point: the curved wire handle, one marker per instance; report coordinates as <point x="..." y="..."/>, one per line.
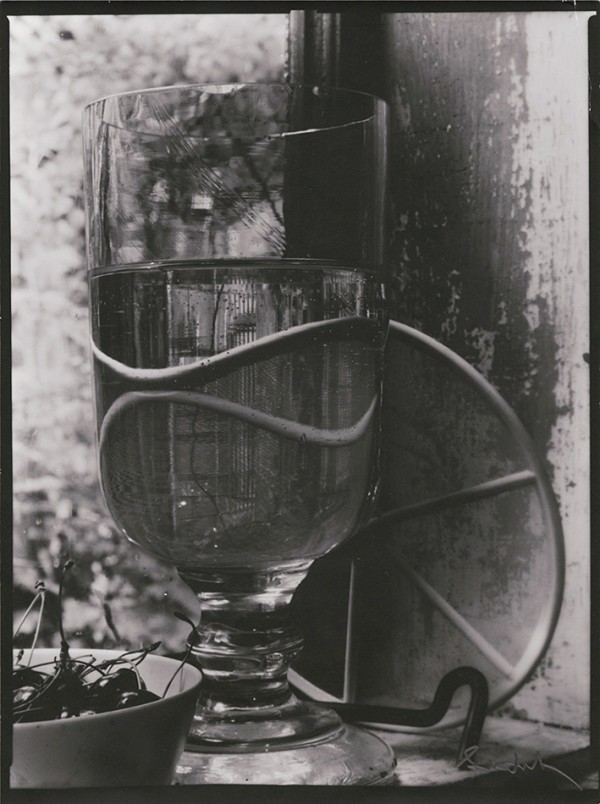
<point x="434" y="713"/>
<point x="532" y="474"/>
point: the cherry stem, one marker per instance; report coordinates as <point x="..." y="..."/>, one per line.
<point x="64" y="645"/>
<point x="187" y="620"/>
<point x="42" y="593"/>
<point x="136" y="660"/>
<point x="133" y="666"/>
<point x="143" y="651"/>
<point x="110" y="622"/>
<point x="24" y="617"/>
<point x="90" y="666"/>
<point x="179" y="669"/>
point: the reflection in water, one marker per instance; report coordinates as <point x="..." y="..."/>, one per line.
<point x="236" y="407"/>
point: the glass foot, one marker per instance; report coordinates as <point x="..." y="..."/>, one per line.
<point x="249" y="728"/>
<point x="219" y="727"/>
<point x="347" y="756"/>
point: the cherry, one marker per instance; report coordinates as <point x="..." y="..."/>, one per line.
<point x="63" y="690"/>
<point x="122" y="680"/>
<point x="106" y="691"/>
<point x="65" y="712"/>
<point x="46" y="710"/>
<point x="27" y="676"/>
<point x="67" y="684"/>
<point x="134" y="698"/>
<point x="23" y="693"/>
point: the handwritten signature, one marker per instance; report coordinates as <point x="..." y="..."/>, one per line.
<point x="513" y="767"/>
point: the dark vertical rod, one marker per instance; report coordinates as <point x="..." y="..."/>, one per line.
<point x="313" y="48"/>
<point x="351" y="657"/>
<point x="345" y="50"/>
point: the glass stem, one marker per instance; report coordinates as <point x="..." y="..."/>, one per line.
<point x="245" y="642"/>
<point x="245" y="654"/>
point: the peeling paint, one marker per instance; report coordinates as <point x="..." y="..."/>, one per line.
<point x="489" y="253"/>
<point x="482" y="341"/>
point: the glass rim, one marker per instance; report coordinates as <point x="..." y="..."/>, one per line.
<point x="227" y="87"/>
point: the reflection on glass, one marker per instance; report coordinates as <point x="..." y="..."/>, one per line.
<point x="235" y="245"/>
<point x="266" y="457"/>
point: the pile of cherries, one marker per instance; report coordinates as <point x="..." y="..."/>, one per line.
<point x="68" y="687"/>
<point x="66" y="691"/>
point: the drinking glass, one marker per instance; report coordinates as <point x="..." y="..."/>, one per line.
<point x="235" y="248"/>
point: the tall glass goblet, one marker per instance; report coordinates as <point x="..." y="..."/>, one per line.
<point x="235" y="245"/>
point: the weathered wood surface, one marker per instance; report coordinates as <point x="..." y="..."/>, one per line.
<point x="489" y="254"/>
<point x="489" y="251"/>
<point x="510" y="752"/>
<point x="508" y="748"/>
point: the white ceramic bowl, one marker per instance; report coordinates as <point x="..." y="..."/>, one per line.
<point x="131" y="747"/>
